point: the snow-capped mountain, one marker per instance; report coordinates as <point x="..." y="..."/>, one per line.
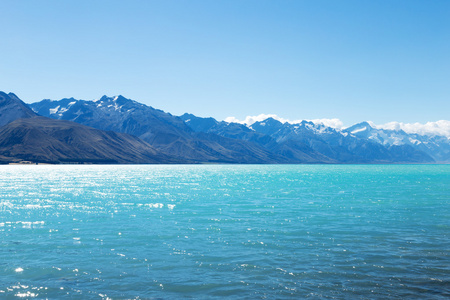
<point x="438" y="147"/>
<point x="116" y="114"/>
<point x="431" y="138"/>
<point x="319" y="142"/>
<point x="25" y="136"/>
<point x="263" y="140"/>
<point x="163" y="131"/>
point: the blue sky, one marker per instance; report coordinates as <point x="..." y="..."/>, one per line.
<point x="353" y="60"/>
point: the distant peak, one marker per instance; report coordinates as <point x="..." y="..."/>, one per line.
<point x="12" y="108"/>
<point x="360" y="127"/>
<point x="65" y="99"/>
<point x="186" y="116"/>
<point x="366" y="124"/>
<point x="271" y="120"/>
<point x="304" y="122"/>
<point x="114" y="98"/>
<point x="13" y="95"/>
<point x="10" y="96"/>
<point x="119" y="97"/>
<point x="104" y="98"/>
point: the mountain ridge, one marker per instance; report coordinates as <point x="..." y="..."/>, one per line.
<point x="163" y="131"/>
<point x="13" y="108"/>
<point x="192" y="139"/>
<point x="337" y="145"/>
<point x="26" y="136"/>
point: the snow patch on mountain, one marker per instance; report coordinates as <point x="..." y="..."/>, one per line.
<point x="54" y="110"/>
<point x="358" y="130"/>
<point x="60" y="110"/>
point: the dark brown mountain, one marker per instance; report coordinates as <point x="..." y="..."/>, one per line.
<point x="41" y="139"/>
<point x="25" y="136"/>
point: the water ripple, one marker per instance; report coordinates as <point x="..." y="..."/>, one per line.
<point x="224" y="231"/>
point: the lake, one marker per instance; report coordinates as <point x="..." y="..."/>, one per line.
<point x="225" y="231"/>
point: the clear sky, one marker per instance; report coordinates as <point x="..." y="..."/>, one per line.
<point x="353" y="60"/>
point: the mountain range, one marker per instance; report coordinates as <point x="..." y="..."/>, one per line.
<point x="120" y="130"/>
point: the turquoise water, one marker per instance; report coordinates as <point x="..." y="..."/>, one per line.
<point x="225" y="231"/>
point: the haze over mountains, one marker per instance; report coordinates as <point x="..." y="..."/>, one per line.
<point x="120" y="130"/>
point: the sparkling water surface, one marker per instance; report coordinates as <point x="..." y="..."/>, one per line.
<point x="225" y="231"/>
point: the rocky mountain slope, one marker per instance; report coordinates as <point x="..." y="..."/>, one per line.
<point x="28" y="137"/>
<point x="163" y="131"/>
<point x="437" y="147"/>
<point x="43" y="139"/>
<point x="198" y="140"/>
<point x="324" y="143"/>
<point x="12" y="108"/>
